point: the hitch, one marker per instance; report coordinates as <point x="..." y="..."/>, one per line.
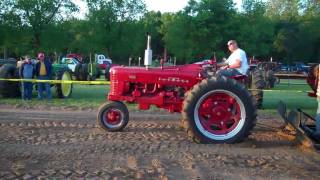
<point x="304" y="126"/>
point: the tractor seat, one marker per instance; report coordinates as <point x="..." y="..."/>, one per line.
<point x="240" y="77"/>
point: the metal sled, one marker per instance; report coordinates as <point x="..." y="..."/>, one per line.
<point x="303" y="124"/>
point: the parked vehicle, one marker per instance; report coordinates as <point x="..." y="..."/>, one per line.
<point x="295" y="67"/>
<point x="8" y="61"/>
<point x="101" y="59"/>
<point x="71" y="63"/>
<point x="78" y="57"/>
<point x="105" y="64"/>
<point x="300" y="67"/>
<point x="92" y="69"/>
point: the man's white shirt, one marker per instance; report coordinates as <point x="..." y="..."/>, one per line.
<point x="241" y="55"/>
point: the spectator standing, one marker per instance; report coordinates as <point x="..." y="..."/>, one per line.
<point x="43" y="72"/>
<point x="27" y="72"/>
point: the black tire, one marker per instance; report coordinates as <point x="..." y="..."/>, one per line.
<point x="277" y="80"/>
<point x="78" y="71"/>
<point x="242" y="102"/>
<point x="121" y="114"/>
<point x="107" y="74"/>
<point x="64" y="90"/>
<point x="84" y="72"/>
<point x="98" y="73"/>
<point x="271" y="78"/>
<point x="257" y="83"/>
<point x="9" y="89"/>
<point x="91" y="78"/>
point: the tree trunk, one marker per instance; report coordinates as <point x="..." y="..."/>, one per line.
<point x="5" y="53"/>
<point x="36" y="43"/>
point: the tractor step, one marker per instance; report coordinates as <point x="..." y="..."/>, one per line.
<point x="303" y="124"/>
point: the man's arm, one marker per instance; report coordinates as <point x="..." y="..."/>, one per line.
<point x="21" y="71"/>
<point x="222" y="64"/>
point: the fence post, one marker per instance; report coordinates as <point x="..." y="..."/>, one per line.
<point x="139" y="61"/>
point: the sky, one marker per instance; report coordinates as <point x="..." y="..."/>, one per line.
<point x="172" y="5"/>
<point x="155" y="5"/>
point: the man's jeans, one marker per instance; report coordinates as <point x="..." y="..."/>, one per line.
<point x="27" y="90"/>
<point x="228" y="72"/>
<point x="44" y="86"/>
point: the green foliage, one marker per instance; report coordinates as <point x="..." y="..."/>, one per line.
<point x="256" y="30"/>
<point x="33" y="17"/>
<point x="286" y="30"/>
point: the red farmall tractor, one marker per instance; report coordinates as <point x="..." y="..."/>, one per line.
<point x="214" y="109"/>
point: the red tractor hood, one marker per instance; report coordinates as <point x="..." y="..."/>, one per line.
<point x="186" y="75"/>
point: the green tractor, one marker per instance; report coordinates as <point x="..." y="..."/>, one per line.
<point x="87" y="72"/>
<point x="10" y="89"/>
<point x="82" y="71"/>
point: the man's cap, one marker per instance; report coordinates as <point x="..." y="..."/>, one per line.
<point x="40" y="55"/>
<point x="231" y="42"/>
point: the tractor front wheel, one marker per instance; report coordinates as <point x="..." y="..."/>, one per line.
<point x="107" y="74"/>
<point x="219" y="111"/>
<point x="84" y="72"/>
<point x="113" y="116"/>
<point x="78" y="71"/>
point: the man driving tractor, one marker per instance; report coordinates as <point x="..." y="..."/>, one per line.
<point x="236" y="64"/>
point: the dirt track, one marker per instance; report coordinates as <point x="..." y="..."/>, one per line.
<point x="60" y="144"/>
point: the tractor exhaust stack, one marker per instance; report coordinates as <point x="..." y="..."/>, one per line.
<point x="148" y="53"/>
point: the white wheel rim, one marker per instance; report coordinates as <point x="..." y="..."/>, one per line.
<point x="229" y="135"/>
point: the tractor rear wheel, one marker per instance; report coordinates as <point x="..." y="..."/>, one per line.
<point x="8" y="88"/>
<point x="219" y="111"/>
<point x="98" y="73"/>
<point x="257" y="83"/>
<point x="107" y="74"/>
<point x="84" y="72"/>
<point x="113" y="116"/>
<point x="64" y="90"/>
<point x="92" y="72"/>
<point x="271" y="78"/>
<point x="78" y="71"/>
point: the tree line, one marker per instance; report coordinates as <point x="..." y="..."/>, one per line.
<point x="286" y="30"/>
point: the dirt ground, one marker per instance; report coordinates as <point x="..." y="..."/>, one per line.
<point x="58" y="144"/>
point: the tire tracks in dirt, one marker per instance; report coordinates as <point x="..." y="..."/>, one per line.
<point x="64" y="144"/>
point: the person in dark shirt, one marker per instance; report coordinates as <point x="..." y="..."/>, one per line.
<point x="43" y="72"/>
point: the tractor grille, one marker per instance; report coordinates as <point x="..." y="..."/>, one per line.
<point x="114" y="88"/>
